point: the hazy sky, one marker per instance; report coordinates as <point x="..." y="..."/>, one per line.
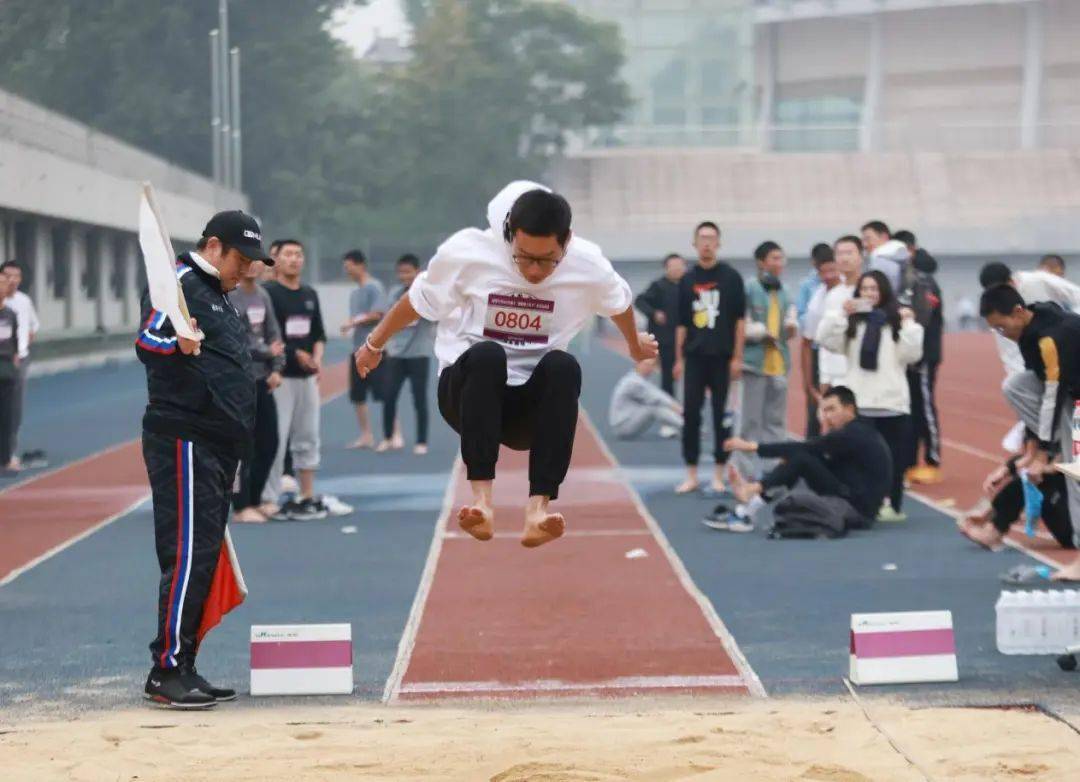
<point x="357" y="26"/>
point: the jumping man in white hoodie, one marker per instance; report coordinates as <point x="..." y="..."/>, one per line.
<point x="508" y="300"/>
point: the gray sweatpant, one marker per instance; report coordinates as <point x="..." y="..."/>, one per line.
<point x="763" y="418"/>
<point x="18" y="402"/>
<point x="1024" y="393"/>
<point x="298" y="406"/>
<point x="636" y="422"/>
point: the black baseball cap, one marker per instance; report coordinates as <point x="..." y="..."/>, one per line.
<point x="240" y="231"/>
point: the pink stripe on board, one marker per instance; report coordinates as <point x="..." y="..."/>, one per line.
<point x="903" y="643"/>
<point x="301" y="654"/>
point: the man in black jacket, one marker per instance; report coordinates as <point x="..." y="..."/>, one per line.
<point x="923" y="294"/>
<point x="850" y="461"/>
<point x="197" y="426"/>
<point x="660" y="304"/>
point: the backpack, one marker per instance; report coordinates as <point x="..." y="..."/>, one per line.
<point x="805" y="515"/>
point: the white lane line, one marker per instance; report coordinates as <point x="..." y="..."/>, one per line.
<point x="416" y="613"/>
<point x="979" y="453"/>
<point x="557" y="685"/>
<point x="750" y="678"/>
<point x="72" y="541"/>
<point x="577" y="533"/>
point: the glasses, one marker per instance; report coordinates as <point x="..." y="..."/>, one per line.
<point x="546" y="264"/>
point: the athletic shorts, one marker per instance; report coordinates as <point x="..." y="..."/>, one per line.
<point x="360" y="387"/>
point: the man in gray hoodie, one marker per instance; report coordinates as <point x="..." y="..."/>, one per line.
<point x="637" y="404"/>
<point x="885" y="254"/>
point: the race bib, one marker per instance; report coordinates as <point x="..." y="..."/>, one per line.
<point x="518" y="320"/>
<point x="297" y="326"/>
<point x="6" y="331"/>
<point x="256" y="315"/>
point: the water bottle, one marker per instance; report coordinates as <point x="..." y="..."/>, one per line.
<point x="1038" y="622"/>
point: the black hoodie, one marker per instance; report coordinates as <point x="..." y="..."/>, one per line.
<point x="925" y="295"/>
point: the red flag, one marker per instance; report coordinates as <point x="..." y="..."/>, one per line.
<point x="227" y="590"/>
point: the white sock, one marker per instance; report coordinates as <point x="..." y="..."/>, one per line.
<point x="750" y="508"/>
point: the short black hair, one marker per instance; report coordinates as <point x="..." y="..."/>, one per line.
<point x="1000" y="299"/>
<point x="274" y="245"/>
<point x="669" y="257"/>
<point x="12" y="264"/>
<point x="844" y="395"/>
<point x="905" y="236"/>
<point x="540" y="213"/>
<point x="408" y="259"/>
<point x="355" y="256"/>
<point x="761" y="252"/>
<point x="878" y="226"/>
<point x="283" y="242"/>
<point x="1053" y="259"/>
<point x="851" y="239"/>
<point x="822" y="253"/>
<point x="994" y="273"/>
<point x="706" y="224"/>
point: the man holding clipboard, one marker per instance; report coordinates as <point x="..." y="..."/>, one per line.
<point x="197" y="427"/>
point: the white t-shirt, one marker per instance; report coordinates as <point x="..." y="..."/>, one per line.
<point x="815" y="309"/>
<point x="475" y="291"/>
<point x="832" y="367"/>
<point x="28" y="320"/>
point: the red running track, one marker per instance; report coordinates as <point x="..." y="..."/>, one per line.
<point x="574" y="617"/>
<point x="43" y="515"/>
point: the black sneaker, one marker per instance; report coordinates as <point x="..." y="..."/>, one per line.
<point x="174" y="689"/>
<point x="219" y="694"/>
<point x="308" y="509"/>
<point x="286" y="511"/>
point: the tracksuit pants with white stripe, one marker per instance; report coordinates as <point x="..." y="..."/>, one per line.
<point x="191" y="485"/>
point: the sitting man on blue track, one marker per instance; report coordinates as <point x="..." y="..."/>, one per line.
<point x="849" y="462"/>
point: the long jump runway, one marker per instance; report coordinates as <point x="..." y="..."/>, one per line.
<point x="608" y="610"/>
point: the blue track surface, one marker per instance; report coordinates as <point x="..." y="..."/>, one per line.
<point x="75" y="628"/>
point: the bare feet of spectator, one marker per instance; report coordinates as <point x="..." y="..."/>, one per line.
<point x="541" y="526"/>
<point x="269" y="509"/>
<point x="420" y="449"/>
<point x="691" y="482"/>
<point x="362" y="442"/>
<point x="718" y="479"/>
<point x="1070" y="572"/>
<point x="249" y="516"/>
<point x="986" y="535"/>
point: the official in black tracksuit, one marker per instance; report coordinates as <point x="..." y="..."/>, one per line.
<point x="660" y="304"/>
<point x="198" y="425"/>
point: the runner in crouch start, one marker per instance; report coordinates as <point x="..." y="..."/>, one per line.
<point x="508" y="300"/>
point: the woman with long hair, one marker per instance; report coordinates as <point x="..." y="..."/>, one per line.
<point x="880" y="339"/>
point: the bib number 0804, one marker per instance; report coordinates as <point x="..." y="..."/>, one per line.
<point x="514" y="320"/>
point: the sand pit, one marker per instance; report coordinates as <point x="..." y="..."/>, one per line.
<point x="826" y="740"/>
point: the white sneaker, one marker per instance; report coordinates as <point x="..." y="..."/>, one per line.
<point x="668" y="432"/>
<point x="336" y="507"/>
<point x="289" y="485"/>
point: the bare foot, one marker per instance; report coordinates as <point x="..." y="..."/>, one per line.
<point x="542" y="527"/>
<point x="1070" y="572"/>
<point x="478" y="521"/>
<point x="687" y="486"/>
<point x="249" y="516"/>
<point x="419" y="449"/>
<point x="269" y="509"/>
<point x="985" y="535"/>
<point x="363" y="442"/>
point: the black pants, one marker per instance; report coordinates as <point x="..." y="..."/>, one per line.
<point x="667" y="366"/>
<point x="539" y="417"/>
<point x="1009" y="502"/>
<point x="813" y="426"/>
<point x="191" y="485"/>
<point x="896" y="431"/>
<point x="254" y="472"/>
<point x="922" y="379"/>
<point x="396" y="371"/>
<point x="7" y="419"/>
<point x="713" y="373"/>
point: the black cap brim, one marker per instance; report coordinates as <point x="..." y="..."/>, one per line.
<point x="254" y="252"/>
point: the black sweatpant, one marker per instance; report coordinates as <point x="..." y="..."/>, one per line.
<point x="926" y="426"/>
<point x="1009" y="502"/>
<point x="7" y="419"/>
<point x="813" y="426"/>
<point x="416" y="370"/>
<point x="896" y="431"/>
<point x="699" y="373"/>
<point x="667" y="367"/>
<point x="539" y="417"/>
<point x="191" y="485"/>
<point x="254" y="472"/>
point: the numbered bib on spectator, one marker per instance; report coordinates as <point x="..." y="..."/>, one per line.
<point x="256" y="314"/>
<point x="518" y="320"/>
<point x="297" y="326"/>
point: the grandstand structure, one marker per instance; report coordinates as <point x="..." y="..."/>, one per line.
<point x="69" y="200"/>
<point x="799" y="118"/>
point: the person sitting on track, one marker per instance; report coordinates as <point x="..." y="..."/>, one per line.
<point x="637" y="404"/>
<point x="508" y="300"/>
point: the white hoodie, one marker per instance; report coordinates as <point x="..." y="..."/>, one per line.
<point x="891" y="259"/>
<point x="473" y="288"/>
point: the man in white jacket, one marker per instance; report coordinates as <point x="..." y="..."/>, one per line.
<point x="886" y="255"/>
<point x="508" y="300"/>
